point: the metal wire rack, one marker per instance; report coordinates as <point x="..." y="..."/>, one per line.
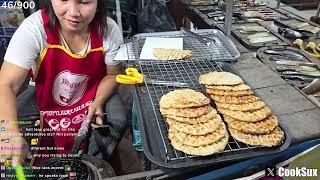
<point x="186" y="72"/>
<point x="222" y="49"/>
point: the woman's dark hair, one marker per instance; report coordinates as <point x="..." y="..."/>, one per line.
<point x="101" y="15"/>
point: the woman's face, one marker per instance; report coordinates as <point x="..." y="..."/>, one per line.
<point x="74" y="15"/>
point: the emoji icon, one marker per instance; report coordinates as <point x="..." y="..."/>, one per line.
<point x="7" y="163"/>
<point x="34" y="141"/>
<point x="67" y="167"/>
<point x="37" y="123"/>
<point x="72" y="174"/>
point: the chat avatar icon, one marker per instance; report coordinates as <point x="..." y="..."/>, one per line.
<point x="67" y="167"/>
<point x="37" y="123"/>
<point x="2" y="121"/>
<point x="34" y="141"/>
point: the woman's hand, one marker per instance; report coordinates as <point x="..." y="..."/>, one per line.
<point x="95" y="110"/>
<point x="13" y="147"/>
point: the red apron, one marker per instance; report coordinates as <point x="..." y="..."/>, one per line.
<point x="65" y="84"/>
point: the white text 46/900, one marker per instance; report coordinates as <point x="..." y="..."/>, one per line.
<point x="18" y="5"/>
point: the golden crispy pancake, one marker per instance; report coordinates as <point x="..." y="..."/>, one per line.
<point x="248" y="116"/>
<point x="205" y="150"/>
<point x="201" y="119"/>
<point x="261" y="127"/>
<point x="192" y="140"/>
<point x="220" y="78"/>
<point x="186" y="112"/>
<point x="183" y="98"/>
<point x="268" y="140"/>
<point x="242" y="107"/>
<point x="171" y="54"/>
<point x="240" y="87"/>
<point x="235" y="100"/>
<point x="195" y="129"/>
<point x="229" y="93"/>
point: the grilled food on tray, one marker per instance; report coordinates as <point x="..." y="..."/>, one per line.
<point x="261" y="127"/>
<point x="248" y="118"/>
<point x="304" y="26"/>
<point x="171" y="54"/>
<point x="220" y="78"/>
<point x="195" y="127"/>
<point x="251" y="29"/>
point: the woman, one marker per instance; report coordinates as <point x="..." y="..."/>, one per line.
<point x="69" y="48"/>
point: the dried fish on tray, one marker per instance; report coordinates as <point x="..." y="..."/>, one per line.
<point x="299" y="24"/>
<point x="255" y="35"/>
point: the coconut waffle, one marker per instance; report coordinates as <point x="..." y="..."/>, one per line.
<point x="196" y="120"/>
<point x="264" y="126"/>
<point x="229" y="93"/>
<point x="220" y="78"/>
<point x="186" y="112"/>
<point x="205" y="150"/>
<point x="171" y="54"/>
<point x="240" y="87"/>
<point x="242" y="107"/>
<point x="268" y="140"/>
<point x="193" y="140"/>
<point x="183" y="98"/>
<point x="248" y="116"/>
<point x="196" y="129"/>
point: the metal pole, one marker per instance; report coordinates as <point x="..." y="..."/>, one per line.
<point x="118" y="15"/>
<point x="318" y="11"/>
<point x="278" y="4"/>
<point x="228" y="17"/>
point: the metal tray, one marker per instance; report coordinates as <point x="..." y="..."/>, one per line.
<point x="269" y="13"/>
<point x="243" y="37"/>
<point x="156" y="144"/>
<point x="222" y="50"/>
<point x="286" y="23"/>
<point x="265" y="58"/>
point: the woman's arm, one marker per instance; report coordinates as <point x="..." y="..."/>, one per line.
<point x="105" y="89"/>
<point x="108" y="84"/>
<point x="11" y="78"/>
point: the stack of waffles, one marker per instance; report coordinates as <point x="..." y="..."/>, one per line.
<point x="248" y="118"/>
<point x="194" y="125"/>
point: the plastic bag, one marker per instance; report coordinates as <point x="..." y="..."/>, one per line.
<point x="155" y="17"/>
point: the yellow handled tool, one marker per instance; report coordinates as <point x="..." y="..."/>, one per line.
<point x="132" y="77"/>
<point x="299" y="43"/>
<point x="312" y="46"/>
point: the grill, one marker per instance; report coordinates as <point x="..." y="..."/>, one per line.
<point x="187" y="72"/>
<point x="154" y="129"/>
<point x="223" y="49"/>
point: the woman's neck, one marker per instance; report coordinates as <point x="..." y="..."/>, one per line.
<point x="76" y="41"/>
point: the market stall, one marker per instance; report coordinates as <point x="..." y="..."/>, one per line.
<point x="296" y="111"/>
<point x="223" y="101"/>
